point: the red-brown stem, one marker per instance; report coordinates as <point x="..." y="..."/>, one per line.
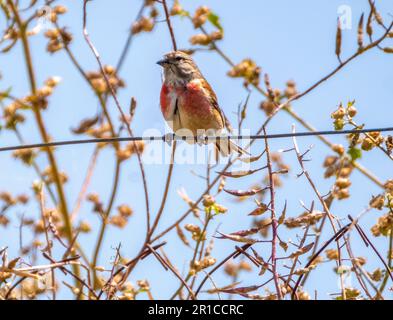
<point x="273" y="218"/>
<point x="168" y="21"/>
<point x="324" y="205"/>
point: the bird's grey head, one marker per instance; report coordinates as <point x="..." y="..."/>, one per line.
<point x="179" y="68"/>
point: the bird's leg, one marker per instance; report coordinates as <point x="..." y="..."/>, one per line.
<point x="201" y="138"/>
<point x="168" y="138"/>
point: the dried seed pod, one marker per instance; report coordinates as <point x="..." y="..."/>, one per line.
<point x="377" y="202"/>
<point x="338" y="40"/>
<point x="360" y="32"/>
<point x="181" y="235"/>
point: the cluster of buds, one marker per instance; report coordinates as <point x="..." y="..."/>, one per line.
<point x="196" y="232"/>
<point x="52" y="14"/>
<point x="301" y="271"/>
<point x="130" y="149"/>
<point x="27" y="156"/>
<point x="99" y="84"/>
<point x="98" y="206"/>
<point x="372" y="140"/>
<point x="290" y="90"/>
<point x="206" y="39"/>
<point x="305" y="219"/>
<point x="199" y="265"/>
<point x="341" y="168"/>
<point x="332" y="254"/>
<point x="388" y="186"/>
<point x="210" y="205"/>
<point x="200" y="16"/>
<point x="125" y="210"/>
<point x="31" y="288"/>
<point x="120" y="220"/>
<point x="343" y="115"/>
<point x="12" y="116"/>
<point x="128" y="291"/>
<point x="351" y="293"/>
<point x="341" y="190"/>
<point x="384" y="225"/>
<point x="49" y="176"/>
<point x="143" y="285"/>
<point x="58" y="38"/>
<point x="232" y="269"/>
<point x="271" y="104"/>
<point x="248" y="70"/>
<point x="376" y="275"/>
<point x="144" y="24"/>
<point x="9" y="201"/>
<point x="53" y="220"/>
<point x="208" y="201"/>
<point x="377" y="202"/>
<point x="40" y="98"/>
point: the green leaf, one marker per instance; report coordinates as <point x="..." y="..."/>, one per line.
<point x="351" y="103"/>
<point x="354" y="153"/>
<point x="215" y="20"/>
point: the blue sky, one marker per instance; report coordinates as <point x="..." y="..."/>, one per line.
<point x="288" y="39"/>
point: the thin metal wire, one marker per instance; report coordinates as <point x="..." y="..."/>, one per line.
<point x="171" y="137"/>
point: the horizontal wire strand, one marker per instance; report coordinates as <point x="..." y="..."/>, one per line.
<point x="172" y="137"/>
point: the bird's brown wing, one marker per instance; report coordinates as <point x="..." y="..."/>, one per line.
<point x="214" y="102"/>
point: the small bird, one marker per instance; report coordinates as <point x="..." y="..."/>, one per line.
<point x="189" y="104"/>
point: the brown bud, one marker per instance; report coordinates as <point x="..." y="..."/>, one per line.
<point x="377" y="202"/>
<point x="339" y="148"/>
<point x="208" y="200"/>
<point x="343" y="183"/>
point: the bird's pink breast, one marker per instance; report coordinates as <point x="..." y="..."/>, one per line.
<point x="194" y="101"/>
<point x="164" y="99"/>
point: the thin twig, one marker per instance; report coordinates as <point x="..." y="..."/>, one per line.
<point x="168" y="21"/>
<point x="273" y="218"/>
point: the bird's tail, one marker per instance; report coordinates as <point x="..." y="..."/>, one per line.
<point x="226" y="147"/>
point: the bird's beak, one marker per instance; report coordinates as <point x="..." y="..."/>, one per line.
<point x="162" y="62"/>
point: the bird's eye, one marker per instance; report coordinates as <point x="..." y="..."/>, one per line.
<point x="179" y="58"/>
